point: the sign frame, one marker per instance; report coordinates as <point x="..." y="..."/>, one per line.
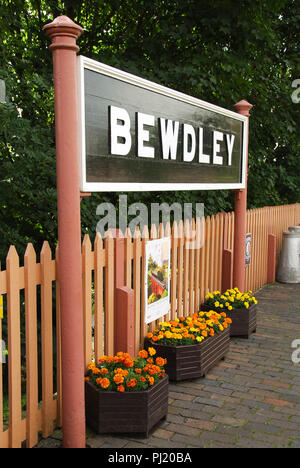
<point x="98" y="67"/>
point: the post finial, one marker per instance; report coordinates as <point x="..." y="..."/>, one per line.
<point x="243" y="107"/>
<point x="64" y="33"/>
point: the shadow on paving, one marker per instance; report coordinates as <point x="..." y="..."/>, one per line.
<point x="252" y="399"/>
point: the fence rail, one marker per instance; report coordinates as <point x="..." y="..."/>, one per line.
<point x="31" y="377"/>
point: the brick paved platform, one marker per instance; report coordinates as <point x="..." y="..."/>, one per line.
<point x="252" y="399"/>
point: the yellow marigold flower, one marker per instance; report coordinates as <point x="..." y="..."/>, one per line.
<point x="246" y="304"/>
<point x="217" y="304"/>
<point x="229" y="307"/>
<point x="151" y="351"/>
<point x="199" y="338"/>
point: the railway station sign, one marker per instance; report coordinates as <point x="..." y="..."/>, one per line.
<point x="136" y="135"/>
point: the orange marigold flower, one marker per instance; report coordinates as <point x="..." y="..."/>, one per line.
<point x="118" y="379"/>
<point x="102" y="359"/>
<point x="132" y="383"/>
<point x="138" y="371"/>
<point x="128" y="362"/>
<point x="211" y="332"/>
<point x="105" y="383"/>
<point x="104" y="371"/>
<point x="204" y="333"/>
<point x="149" y="335"/>
<point x="87" y="379"/>
<point x="96" y="371"/>
<point x="160" y="361"/>
<point x="150" y="360"/>
<point x="154" y="338"/>
<point x="142" y="378"/>
<point x="121" y="388"/>
<point x="143" y="354"/>
<point x="151" y="380"/>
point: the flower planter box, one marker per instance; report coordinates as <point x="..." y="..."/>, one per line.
<point x="128" y="412"/>
<point x="193" y="361"/>
<point x="244" y="321"/>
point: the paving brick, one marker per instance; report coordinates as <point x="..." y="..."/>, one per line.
<point x="273" y="401"/>
<point x="215" y="436"/>
<point x="163" y="443"/>
<point x="163" y="433"/>
<point x="174" y="418"/>
<point x="220" y="390"/>
<point x="259" y="427"/>
<point x="228" y="421"/>
<point x="208" y="401"/>
<point x="192" y="441"/>
<point x="274" y="383"/>
<point x="181" y="396"/>
<point x="184" y="429"/>
<point x="243" y="442"/>
<point x="200" y="424"/>
<point x="276" y="441"/>
<point x="134" y="444"/>
<point x="237" y="388"/>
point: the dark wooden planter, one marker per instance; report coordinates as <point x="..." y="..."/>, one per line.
<point x="128" y="412"/>
<point x="192" y="361"/>
<point x="244" y="320"/>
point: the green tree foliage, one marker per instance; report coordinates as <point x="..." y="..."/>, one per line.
<point x="220" y="51"/>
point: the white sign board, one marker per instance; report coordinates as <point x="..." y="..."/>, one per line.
<point x="157" y="279"/>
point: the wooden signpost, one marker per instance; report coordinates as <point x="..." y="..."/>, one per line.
<point x="129" y="134"/>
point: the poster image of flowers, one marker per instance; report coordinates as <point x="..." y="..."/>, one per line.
<point x="157" y="281"/>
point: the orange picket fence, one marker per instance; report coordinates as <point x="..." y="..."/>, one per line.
<point x="30" y="373"/>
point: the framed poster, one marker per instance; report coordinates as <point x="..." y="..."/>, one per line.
<point x="136" y="135"/>
<point x="157" y="279"/>
<point x="248" y="249"/>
